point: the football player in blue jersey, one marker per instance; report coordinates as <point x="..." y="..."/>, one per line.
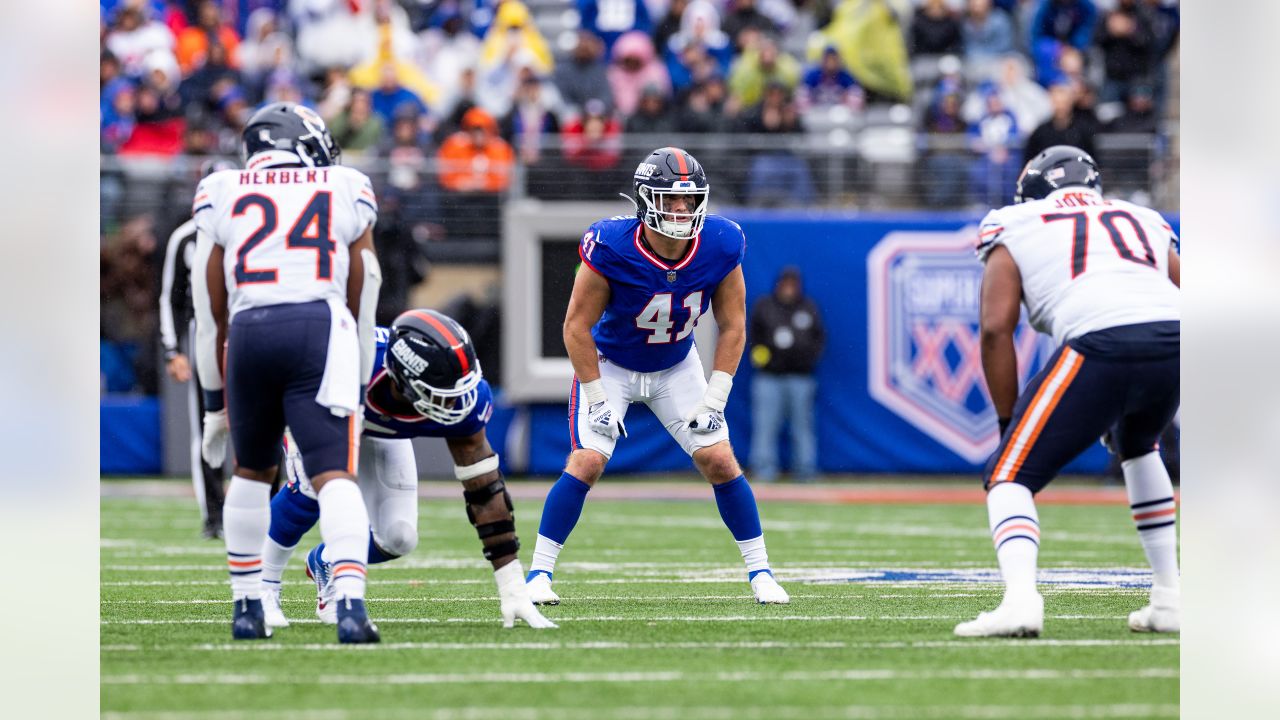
<point x="645" y="280"/>
<point x="426" y="383"/>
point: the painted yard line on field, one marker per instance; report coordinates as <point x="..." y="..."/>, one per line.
<point x="680" y="712"/>
<point x="611" y="645"/>
<point x="620" y="618"/>
<point x="664" y="676"/>
<point x="374" y="600"/>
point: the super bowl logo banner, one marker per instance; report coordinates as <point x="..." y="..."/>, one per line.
<point x="925" y="362"/>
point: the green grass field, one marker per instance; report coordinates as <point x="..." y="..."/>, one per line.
<point x="657" y="621"/>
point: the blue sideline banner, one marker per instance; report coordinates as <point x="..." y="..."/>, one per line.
<point x="900" y="386"/>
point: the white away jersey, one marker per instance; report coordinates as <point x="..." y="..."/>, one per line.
<point x="285" y="230"/>
<point x="1087" y="263"/>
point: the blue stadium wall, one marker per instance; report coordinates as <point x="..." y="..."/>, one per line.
<point x="899" y="385"/>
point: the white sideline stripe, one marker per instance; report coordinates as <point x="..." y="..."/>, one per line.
<point x="652" y="712"/>
<point x="619" y="618"/>
<point x="853" y="675"/>
<point x="610" y="645"/>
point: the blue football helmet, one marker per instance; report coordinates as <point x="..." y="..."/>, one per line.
<point x="669" y="172"/>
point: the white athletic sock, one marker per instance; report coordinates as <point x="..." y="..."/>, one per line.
<point x="545" y="553"/>
<point x="1015" y="532"/>
<point x="246" y="515"/>
<point x="1155" y="515"/>
<point x="754" y="554"/>
<point x="344" y="526"/>
<point x="274" y="558"/>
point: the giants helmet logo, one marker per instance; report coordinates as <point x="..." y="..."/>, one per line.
<point x="925" y="363"/>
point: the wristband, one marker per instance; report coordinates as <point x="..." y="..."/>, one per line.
<point x="1004" y="424"/>
<point x="213" y="400"/>
<point x="594" y="392"/>
<point x="718" y="387"/>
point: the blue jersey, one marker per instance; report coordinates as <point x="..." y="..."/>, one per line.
<point x="655" y="304"/>
<point x="381" y="421"/>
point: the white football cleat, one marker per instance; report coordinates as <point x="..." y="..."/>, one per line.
<point x="1021" y="617"/>
<point x="540" y="592"/>
<point x="768" y="591"/>
<point x="1163" y="614"/>
<point x="272" y="612"/>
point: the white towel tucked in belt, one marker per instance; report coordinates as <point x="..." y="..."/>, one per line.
<point x="340" y="387"/>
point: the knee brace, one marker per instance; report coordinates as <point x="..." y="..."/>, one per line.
<point x="480" y="497"/>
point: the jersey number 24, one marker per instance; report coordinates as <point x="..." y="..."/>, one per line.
<point x="310" y="231"/>
<point x="656" y="317"/>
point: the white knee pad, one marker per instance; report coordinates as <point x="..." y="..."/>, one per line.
<point x="398" y="537"/>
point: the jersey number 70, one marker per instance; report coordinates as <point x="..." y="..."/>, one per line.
<point x="310" y="231"/>
<point x="656" y="317"/>
<point x="1080" y="237"/>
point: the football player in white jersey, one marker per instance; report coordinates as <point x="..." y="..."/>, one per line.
<point x="1101" y="277"/>
<point x="284" y="267"/>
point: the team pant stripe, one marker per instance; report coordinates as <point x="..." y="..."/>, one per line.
<point x="1041" y="407"/>
<point x="353" y="442"/>
<point x="573" y="415"/>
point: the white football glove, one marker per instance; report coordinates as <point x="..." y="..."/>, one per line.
<point x="600" y="417"/>
<point x="213" y="444"/>
<point x="514" y="598"/>
<point x="708" y="415"/>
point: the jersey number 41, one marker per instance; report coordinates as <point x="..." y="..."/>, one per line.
<point x="656" y="317"/>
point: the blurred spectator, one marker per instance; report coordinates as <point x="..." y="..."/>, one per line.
<point x="159" y="109"/>
<point x="512" y="31"/>
<point x="262" y="35"/>
<point x="118" y="119"/>
<point x="446" y="49"/>
<point x="654" y="115"/>
<point x="109" y="69"/>
<point x="1066" y="126"/>
<point x="454" y="108"/>
<point x="1126" y="36"/>
<point x="391" y="96"/>
<point x="127" y="289"/>
<point x="476" y="159"/>
<point x="1139" y="115"/>
<point x="700" y="36"/>
<point x="634" y="67"/>
<point x="787" y="339"/>
<point x="743" y="15"/>
<point x="609" y="19"/>
<point x="532" y="120"/>
<point x="358" y="128"/>
<point x="946" y="164"/>
<point x="988" y="33"/>
<point x="583" y="77"/>
<point x="798" y="21"/>
<point x="828" y="83"/>
<point x="202" y="89"/>
<point x="392" y="44"/>
<point x="279" y="73"/>
<point x="475" y="166"/>
<point x="703" y="109"/>
<point x="669" y="25"/>
<point x="778" y="176"/>
<point x="1060" y="23"/>
<point x="335" y="93"/>
<point x="694" y="65"/>
<point x="133" y="36"/>
<point x="329" y="33"/>
<point x="758" y="66"/>
<point x="870" y="41"/>
<point x="193" y="43"/>
<point x="935" y="30"/>
<point x="1019" y="94"/>
<point x="593" y="141"/>
<point x="994" y="138"/>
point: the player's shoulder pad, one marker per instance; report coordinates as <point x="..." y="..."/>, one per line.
<point x="360" y="185"/>
<point x="603" y="245"/>
<point x="991" y="232"/>
<point x="211" y="190"/>
<point x="726" y="236"/>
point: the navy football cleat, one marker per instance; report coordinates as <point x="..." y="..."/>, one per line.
<point x="354" y="625"/>
<point x="247" y="621"/>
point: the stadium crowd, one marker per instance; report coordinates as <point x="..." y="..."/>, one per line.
<point x="456" y="100"/>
